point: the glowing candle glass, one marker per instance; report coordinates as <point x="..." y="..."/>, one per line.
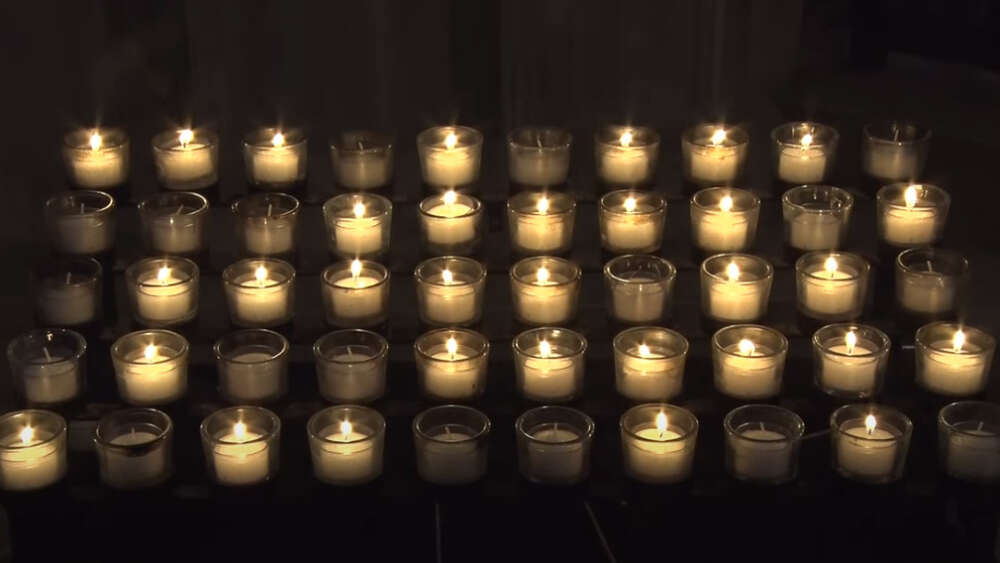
<point x="541" y="223"/>
<point x="831" y="286"/>
<point x="724" y="219"/>
<point x="186" y="159"/>
<point x="849" y="360"/>
<point x="362" y="160"/>
<point x="163" y="291"/>
<point x="241" y="445"/>
<point x="450" y="291"/>
<point x="134" y="448"/>
<point x="48" y="365"/>
<point x="735" y="287"/>
<point x="870" y="442"/>
<point x="451" y="442"/>
<point x="969" y="441"/>
<point x="803" y="152"/>
<point x="538" y="156"/>
<point x="346" y="443"/>
<point x="639" y="288"/>
<point x="658" y="443"/>
<point x="931" y="283"/>
<point x="545" y="290"/>
<point x="649" y="363"/>
<point x="748" y="361"/>
<point x="450" y="156"/>
<point x="553" y="445"/>
<point x="68" y="292"/>
<point x="275" y="158"/>
<point x="81" y="222"/>
<point x="32" y="450"/>
<point x="355" y="294"/>
<point x="174" y="222"/>
<point x="151" y="367"/>
<point x="816" y="217"/>
<point x="260" y="292"/>
<point x="626" y="155"/>
<point x="549" y="364"/>
<point x="451" y="364"/>
<point x="910" y="215"/>
<point x="252" y="365"/>
<point x="632" y="222"/>
<point x="894" y="151"/>
<point x="953" y="359"/>
<point x="358" y="225"/>
<point x="714" y="154"/>
<point x="350" y="366"/>
<point x="762" y="444"/>
<point x="96" y="158"/>
<point x="266" y="224"/>
<point x="451" y="224"/>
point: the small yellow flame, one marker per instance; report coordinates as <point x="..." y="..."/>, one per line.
<point x="278" y="139"/>
<point x="544" y="349"/>
<point x="451" y="346"/>
<point x="355" y="269"/>
<point x="543" y="205"/>
<point x="733" y="272"/>
<point x="240" y="431"/>
<point x="910" y="196"/>
<point x="27" y="434"/>
<point x="447" y="276"/>
<point x="718" y="137"/>
<point x="359" y="210"/>
<point x="626" y="138"/>
<point x="184" y="137"/>
<point x="850" y="341"/>
<point x="661" y="422"/>
<point x="450" y="141"/>
<point x="958" y="341"/>
<point x="630" y="204"/>
<point x="542" y="275"/>
<point x="870" y="424"/>
<point x="162" y="274"/>
<point x="830" y="266"/>
<point x="149" y="352"/>
<point x="746" y="347"/>
<point x="644" y="351"/>
<point x="260" y="274"/>
<point x="450" y="197"/>
<point x="807" y="140"/>
<point x="346" y="428"/>
<point x="95" y="141"/>
<point x="726" y="204"/>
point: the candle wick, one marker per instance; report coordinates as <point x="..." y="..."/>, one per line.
<point x="348" y="349"/>
<point x="180" y="210"/>
<point x="269" y="206"/>
<point x="83" y="209"/>
<point x="930" y="267"/>
<point x="69" y="278"/>
<point x="361" y="145"/>
<point x="538" y="140"/>
<point x="447" y="430"/>
<point x="762" y="426"/>
<point x="48" y="357"/>
<point x="980" y="426"/>
<point x="555" y="429"/>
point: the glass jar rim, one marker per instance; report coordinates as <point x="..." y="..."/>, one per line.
<point x="280" y="353"/>
<point x="161" y="198"/>
<point x="239" y="207"/>
<point x="382" y="273"/>
<point x="696" y="202"/>
<point x="842" y="257"/>
<point x="185" y="265"/>
<point x="472" y="136"/>
<point x="163" y="430"/>
<point x="820" y="130"/>
<point x="877" y="410"/>
<point x="821" y="341"/>
<point x="960" y="260"/>
<point x="671" y="270"/>
<point x="578" y="350"/>
<point x="273" y="421"/>
<point x="365" y="198"/>
<point x="92" y="276"/>
<point x="796" y="430"/>
<point x="984" y="340"/>
<point x="848" y="203"/>
<point x="385" y="142"/>
<point x="532" y="210"/>
<point x="472" y="202"/>
<point x="608" y="136"/>
<point x="663" y="407"/>
<point x="487" y="425"/>
<point x="882" y="196"/>
<point x="924" y="136"/>
<point x="78" y="351"/>
<point x="567" y="137"/>
<point x="737" y="130"/>
<point x="768" y="268"/>
<point x="287" y="270"/>
<point x="575" y="271"/>
<point x="168" y="140"/>
<point x="481" y="348"/>
<point x="107" y="203"/>
<point x="175" y="337"/>
<point x="584" y="434"/>
<point x="260" y="138"/>
<point x="780" y="349"/>
<point x="40" y="413"/>
<point x="659" y="202"/>
<point x="382" y="351"/>
<point x="378" y="429"/>
<point x="111" y="138"/>
<point x="475" y="265"/>
<point x="953" y="426"/>
<point x="680" y="338"/>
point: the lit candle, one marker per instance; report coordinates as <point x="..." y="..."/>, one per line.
<point x="831" y="286"/>
<point x="626" y="156"/>
<point x="816" y="217"/>
<point x="358" y="225"/>
<point x="632" y="222"/>
<point x="549" y="364"/>
<point x="186" y="159"/>
<point x="870" y="442"/>
<point x="639" y="288"/>
<point x="451" y="223"/>
<point x="911" y="214"/>
<point x="362" y="160"/>
<point x="538" y="156"/>
<point x="241" y="457"/>
<point x="452" y="363"/>
<point x="81" y="222"/>
<point x="275" y="157"/>
<point x="450" y="156"/>
<point x="97" y="158"/>
<point x="649" y="363"/>
<point x="735" y="287"/>
<point x="714" y="154"/>
<point x="541" y="222"/>
<point x="545" y="290"/>
<point x="164" y="291"/>
<point x="450" y="442"/>
<point x="724" y="219"/>
<point x="450" y="291"/>
<point x="656" y="451"/>
<point x="803" y="151"/>
<point x="32" y="450"/>
<point x="554" y="445"/>
<point x="762" y="443"/>
<point x="252" y="366"/>
<point x="351" y="366"/>
<point x="356" y="296"/>
<point x="970" y="432"/>
<point x="151" y="366"/>
<point x="953" y="359"/>
<point x="346" y="444"/>
<point x="134" y="448"/>
<point x="260" y="292"/>
<point x="266" y="223"/>
<point x="68" y="292"/>
<point x="48" y="365"/>
<point x="174" y="222"/>
<point x="748" y="361"/>
<point x="850" y="359"/>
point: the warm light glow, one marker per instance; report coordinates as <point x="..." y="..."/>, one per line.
<point x="726" y="204"/>
<point x="359" y="210"/>
<point x="626" y="138"/>
<point x="447" y="276"/>
<point x="452" y="346"/>
<point x="260" y="274"/>
<point x="450" y="141"/>
<point x="644" y="351"/>
<point x="95" y="141"/>
<point x="149" y="352"/>
<point x="27" y="434"/>
<point x="544" y="349"/>
<point x="958" y="341"/>
<point x="661" y="422"/>
<point x="346" y="428"/>
<point x="542" y="275"/>
<point x="850" y="341"/>
<point x="830" y="265"/>
<point x="449" y="197"/>
<point x="240" y="431"/>
<point x="278" y="139"/>
<point x="733" y="272"/>
<point x="718" y="137"/>
<point x="543" y="205"/>
<point x="807" y="140"/>
<point x="630" y="204"/>
<point x="355" y="269"/>
<point x="185" y="136"/>
<point x="870" y="423"/>
<point x="746" y="347"/>
<point x="910" y="196"/>
<point x="162" y="274"/>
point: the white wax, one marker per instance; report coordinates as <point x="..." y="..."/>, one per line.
<point x="736" y="302"/>
<point x="549" y="379"/>
<point x="98" y="169"/>
<point x="448" y="224"/>
<point x="451" y="167"/>
<point x="908" y="227"/>
<point x="890" y="162"/>
<point x="260" y="303"/>
<point x="926" y="293"/>
<point x="126" y="469"/>
<point x="800" y="165"/>
<point x="829" y="293"/>
<point x="354" y="237"/>
<point x="953" y="373"/>
<point x="660" y="458"/>
<point x="540" y="234"/>
<point x="545" y="304"/>
<point x="538" y="168"/>
<point x="346" y="459"/>
<point x="356" y="300"/>
<point x="848" y="374"/>
<point x="859" y="455"/>
<point x="238" y="462"/>
<point x="251" y="376"/>
<point x="761" y="455"/>
<point x="452" y="377"/>
<point x="721" y="232"/>
<point x="353" y="378"/>
<point x="450" y="305"/>
<point x="551" y="459"/>
<point x="67" y="305"/>
<point x="651" y="378"/>
<point x="186" y="164"/>
<point x="275" y="165"/>
<point x="814" y="231"/>
<point x="151" y="381"/>
<point x="748" y="377"/>
<point x="973" y="455"/>
<point x="164" y="301"/>
<point x="32" y="465"/>
<point x="57" y="381"/>
<point x="363" y="172"/>
<point x="83" y="233"/>
<point x="175" y="234"/>
<point x="266" y="237"/>
<point x="452" y="458"/>
<point x="624" y="233"/>
<point x="714" y="165"/>
<point x="641" y="301"/>
<point x="624" y="165"/>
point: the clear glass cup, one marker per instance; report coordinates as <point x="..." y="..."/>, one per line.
<point x="541" y="223"/>
<point x="893" y="151"/>
<point x="96" y="159"/>
<point x="969" y="441"/>
<point x="538" y="156"/>
<point x="714" y="154"/>
<point x="931" y="283"/>
<point x="276" y="158"/>
<point x="762" y="444"/>
<point x="870" y="442"/>
<point x="32" y="450"/>
<point x="163" y="291"/>
<point x="632" y="222"/>
<point x="362" y="160"/>
<point x="151" y="367"/>
<point x="910" y="215"/>
<point x="545" y="290"/>
<point x="451" y="364"/>
<point x="658" y="443"/>
<point x="134" y="448"/>
<point x="831" y="286"/>
<point x="549" y="364"/>
<point x="252" y="365"/>
<point x="748" y="361"/>
<point x="451" y="224"/>
<point x="803" y="152"/>
<point x="174" y="222"/>
<point x="351" y="366"/>
<point x="735" y="287"/>
<point x="81" y="222"/>
<point x="451" y="443"/>
<point x="266" y="224"/>
<point x="186" y="159"/>
<point x="816" y="217"/>
<point x="346" y="443"/>
<point x="48" y="365"/>
<point x="450" y="291"/>
<point x="355" y="294"/>
<point x="553" y="445"/>
<point x="639" y="288"/>
<point x="68" y="291"/>
<point x="450" y="156"/>
<point x="724" y="219"/>
<point x="850" y="360"/>
<point x="626" y="155"/>
<point x="358" y="225"/>
<point x="260" y="292"/>
<point x="953" y="359"/>
<point x="649" y="363"/>
<point x="241" y="445"/>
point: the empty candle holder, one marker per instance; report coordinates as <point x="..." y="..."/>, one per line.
<point x="735" y="287"/>
<point x="174" y="222"/>
<point x="81" y="222"/>
<point x="649" y="363"/>
<point x="451" y="442"/>
<point x="252" y="365"/>
<point x="260" y="292"/>
<point x="870" y="442"/>
<point x="714" y="154"/>
<point x="358" y="225"/>
<point x="850" y="360"/>
<point x="816" y="217"/>
<point x="48" y="365"/>
<point x="346" y="443"/>
<point x="241" y="445"/>
<point x="632" y="222"/>
<point x="134" y="448"/>
<point x="549" y="364"/>
<point x="724" y="219"/>
<point x="545" y="290"/>
<point x="186" y="159"/>
<point x="969" y="441"/>
<point x="831" y="286"/>
<point x="451" y="364"/>
<point x="450" y="156"/>
<point x="151" y="367"/>
<point x="362" y="160"/>
<point x="96" y="158"/>
<point x="538" y="156"/>
<point x="626" y="155"/>
<point x="351" y="365"/>
<point x="32" y="450"/>
<point x="953" y="359"/>
<point x="894" y="151"/>
<point x="553" y="445"/>
<point x="68" y="292"/>
<point x="275" y="158"/>
<point x="356" y="294"/>
<point x="803" y="152"/>
<point x="762" y="444"/>
<point x="748" y="361"/>
<point x="451" y="224"/>
<point x="910" y="215"/>
<point x="639" y="288"/>
<point x="930" y="284"/>
<point x="450" y="291"/>
<point x="541" y="223"/>
<point x="266" y="224"/>
<point x="658" y="443"/>
<point x="163" y="291"/>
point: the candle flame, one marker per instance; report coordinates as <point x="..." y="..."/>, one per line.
<point x="542" y="275"/>
<point x="644" y="351"/>
<point x="355" y="268"/>
<point x="718" y="137"/>
<point x="850" y="341"/>
<point x="544" y="349"/>
<point x="359" y="210"/>
<point x="240" y="431"/>
<point x="450" y="141"/>
<point x="95" y="141"/>
<point x="27" y="434"/>
<point x="958" y="341"/>
<point x="447" y="276"/>
<point x="807" y="140"/>
<point x="733" y="272"/>
<point x="185" y="136"/>
<point x="661" y="422"/>
<point x="543" y="205"/>
<point x="278" y="139"/>
<point x="626" y="138"/>
<point x="830" y="265"/>
<point x="149" y="352"/>
<point x="452" y="346"/>
<point x="260" y="274"/>
<point x="910" y="196"/>
<point x="746" y="347"/>
<point x="346" y="428"/>
<point x="726" y="203"/>
<point x="870" y="424"/>
<point x="450" y="197"/>
<point x="630" y="204"/>
<point x="162" y="274"/>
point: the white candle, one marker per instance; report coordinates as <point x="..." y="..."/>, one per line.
<point x="544" y="162"/>
<point x="926" y="292"/>
<point x="149" y="377"/>
<point x="275" y="164"/>
<point x="815" y="231"/>
<point x="357" y="299"/>
<point x="359" y="235"/>
<point x="539" y="230"/>
<point x="447" y="221"/>
<point x="760" y="454"/>
<point x="347" y="455"/>
<point x="353" y="376"/>
<point x="633" y="227"/>
<point x="241" y="457"/>
<point x="450" y="456"/>
<point x="850" y="367"/>
<point x="547" y="375"/>
<point x="722" y="231"/>
<point x="650" y="374"/>
<point x="716" y="163"/>
<point x="265" y="237"/>
<point x="251" y="375"/>
<point x="259" y="299"/>
<point x="68" y="301"/>
<point x="830" y="291"/>
<point x="85" y="229"/>
<point x="658" y="454"/>
<point x="973" y="453"/>
<point x="52" y="379"/>
<point x="548" y="299"/>
<point x="625" y="164"/>
<point x="448" y="164"/>
<point x="867" y="450"/>
<point x="640" y="299"/>
<point x="450" y="300"/>
<point x="953" y="367"/>
<point x="31" y="459"/>
<point x="889" y="161"/>
<point x="748" y="371"/>
<point x="134" y="467"/>
<point x="186" y="161"/>
<point x="165" y="296"/>
<point x="803" y="164"/>
<point x="101" y="166"/>
<point x="912" y="224"/>
<point x="555" y="454"/>
<point x="736" y="299"/>
<point x="177" y="233"/>
<point x="449" y="375"/>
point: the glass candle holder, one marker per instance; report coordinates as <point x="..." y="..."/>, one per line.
<point x="362" y="160"/>
<point x="553" y="445"/>
<point x="450" y="155"/>
<point x="911" y="215"/>
<point x="356" y="294"/>
<point x="816" y="217"/>
<point x="632" y="222"/>
<point x="358" y="225"/>
<point x="969" y="441"/>
<point x="831" y="286"/>
<point x="538" y="156"/>
<point x="96" y="158"/>
<point x="48" y="365"/>
<point x="762" y="444"/>
<point x="451" y="442"/>
<point x="32" y="450"/>
<point x="174" y="222"/>
<point x="350" y="366"/>
<point x="253" y="366"/>
<point x="870" y="442"/>
<point x="541" y="223"/>
<point x="649" y="363"/>
<point x="451" y="224"/>
<point x="714" y="154"/>
<point x="626" y="155"/>
<point x="260" y="292"/>
<point x="81" y="222"/>
<point x="150" y="367"/>
<point x="186" y="159"/>
<point x="803" y="152"/>
<point x="549" y="364"/>
<point x="451" y="364"/>
<point x="735" y="287"/>
<point x="931" y="283"/>
<point x="241" y="445"/>
<point x="134" y="448"/>
<point x="266" y="224"/>
<point x="450" y="291"/>
<point x="748" y="361"/>
<point x="953" y="359"/>
<point x="724" y="219"/>
<point x="640" y="288"/>
<point x="658" y="443"/>
<point x="68" y="291"/>
<point x="275" y="158"/>
<point x="893" y="151"/>
<point x="849" y="360"/>
<point x="163" y="291"/>
<point x="545" y="290"/>
<point x="346" y="443"/>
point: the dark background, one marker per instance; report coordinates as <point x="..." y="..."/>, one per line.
<point x="402" y="66"/>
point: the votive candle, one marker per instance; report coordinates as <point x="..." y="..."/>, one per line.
<point x="275" y="157"/>
<point x="241" y="445"/>
<point x="649" y="363"/>
<point x="450" y="291"/>
<point x="355" y="294"/>
<point x="762" y="444"/>
<point x="831" y="286"/>
<point x="969" y="441"/>
<point x="724" y="219"/>
<point x="186" y="159"/>
<point x="553" y="445"/>
<point x="803" y="152"/>
<point x="816" y="217"/>
<point x="748" y="361"/>
<point x="163" y="291"/>
<point x="134" y="448"/>
<point x="930" y="283"/>
<point x="658" y="443"/>
<point x="451" y="443"/>
<point x="545" y="290"/>
<point x="32" y="450"/>
<point x="260" y="292"/>
<point x="450" y="155"/>
<point x="68" y="291"/>
<point x="953" y="359"/>
<point x="639" y="288"/>
<point x="735" y="287"/>
<point x="346" y="442"/>
<point x="538" y="156"/>
<point x="351" y="365"/>
<point x="81" y="222"/>
<point x="174" y="222"/>
<point x="911" y="215"/>
<point x="151" y="367"/>
<point x="632" y="222"/>
<point x="549" y="364"/>
<point x="870" y="442"/>
<point x="96" y="158"/>
<point x="714" y="154"/>
<point x="850" y="360"/>
<point x="541" y="223"/>
<point x="894" y="151"/>
<point x="451" y="364"/>
<point x="358" y="225"/>
<point x="626" y="155"/>
<point x="362" y="160"/>
<point x="48" y="365"/>
<point x="266" y="223"/>
<point x="451" y="223"/>
<point x="252" y="366"/>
